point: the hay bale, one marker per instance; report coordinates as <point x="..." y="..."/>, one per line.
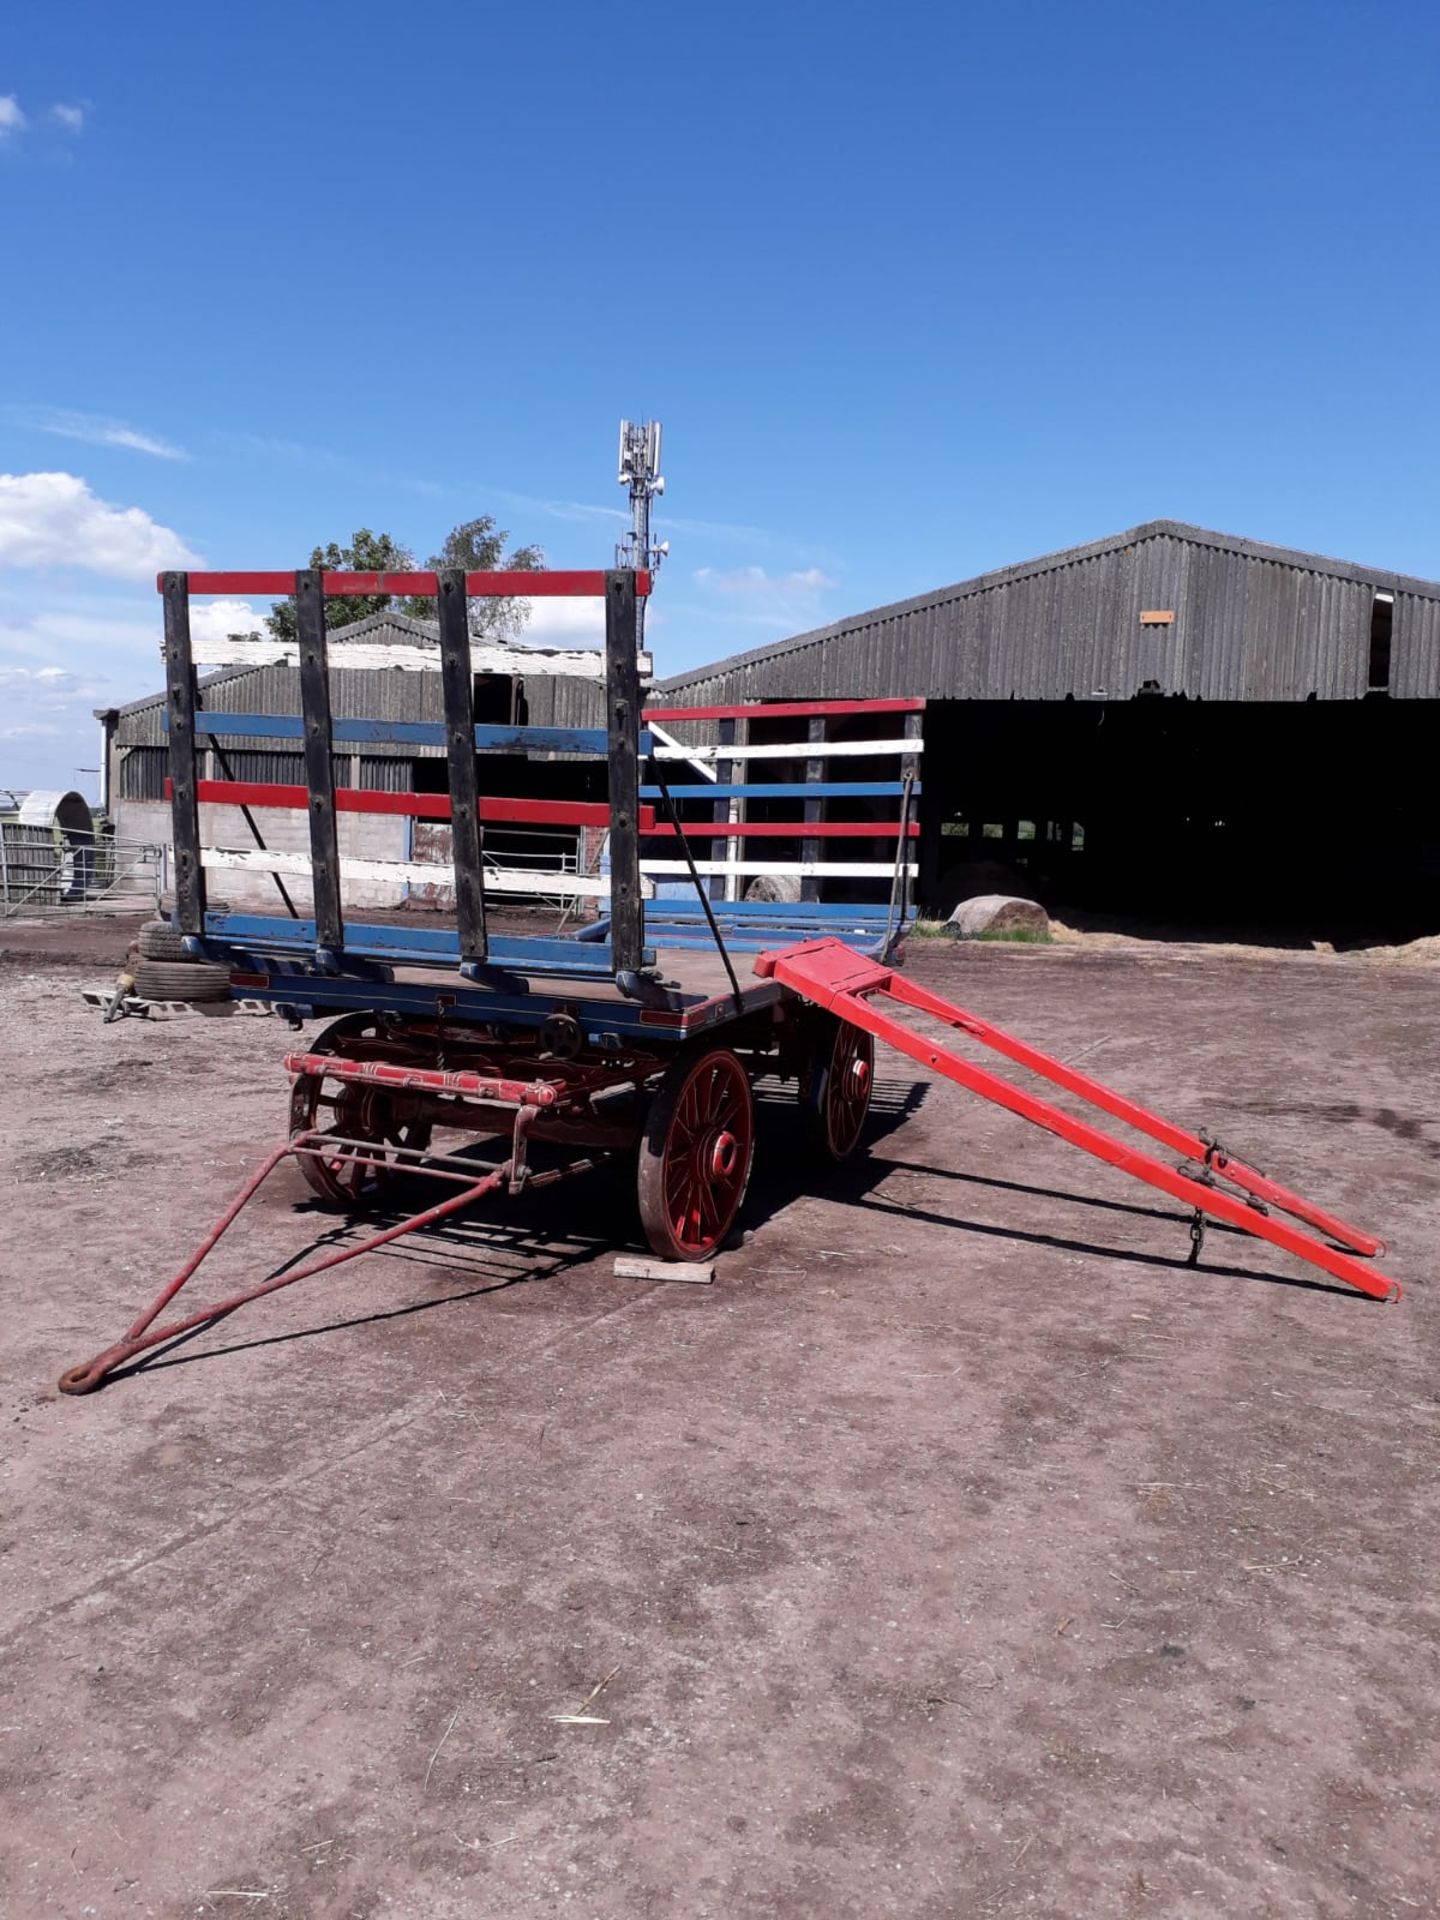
<point x="781" y="889"/>
<point x="967" y="878"/>
<point x="998" y="913"/>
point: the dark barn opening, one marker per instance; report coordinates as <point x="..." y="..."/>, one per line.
<point x="1317" y="820"/>
<point x="1168" y="730"/>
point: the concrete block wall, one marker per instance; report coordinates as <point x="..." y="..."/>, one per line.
<point x="362" y="836"/>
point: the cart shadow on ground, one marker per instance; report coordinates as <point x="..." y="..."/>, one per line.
<point x="543" y="1235"/>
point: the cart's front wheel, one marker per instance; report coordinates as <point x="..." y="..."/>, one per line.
<point x="367" y="1126"/>
<point x="695" y="1156"/>
<point x="835" y="1086"/>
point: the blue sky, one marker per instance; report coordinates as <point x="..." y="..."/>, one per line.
<point x="917" y="290"/>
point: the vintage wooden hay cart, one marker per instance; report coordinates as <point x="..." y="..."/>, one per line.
<point x="635" y="1040"/>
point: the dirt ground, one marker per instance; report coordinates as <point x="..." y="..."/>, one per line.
<point x="959" y="1552"/>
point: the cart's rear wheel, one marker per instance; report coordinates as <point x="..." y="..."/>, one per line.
<point x="696" y="1152"/>
<point x="360" y="1176"/>
<point x="836" y="1084"/>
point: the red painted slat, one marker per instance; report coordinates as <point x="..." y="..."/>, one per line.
<point x="480" y="586"/>
<point x="783" y="710"/>
<point x="499" y="810"/>
<point x="792" y="829"/>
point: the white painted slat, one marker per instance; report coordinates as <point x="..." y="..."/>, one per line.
<point x="669" y="740"/>
<point x="573" y="663"/>
<point x="807" y="869"/>
<point x="792" y="750"/>
<point x="415" y="872"/>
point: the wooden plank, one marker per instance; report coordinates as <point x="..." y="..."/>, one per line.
<point x="418" y="946"/>
<point x="376" y="656"/>
<point x="910" y="770"/>
<point x="479" y="586"/>
<point x="814" y="806"/>
<point x="319" y="763"/>
<point x="784" y="710"/>
<point x="458" y="687"/>
<point x="696" y="939"/>
<point x="180" y="721"/>
<point x="669" y="740"/>
<point x="807" y="913"/>
<point x="787" y="790"/>
<point x="418" y="733"/>
<point x="826" y="869"/>
<point x="788" y="829"/>
<point x="641" y="1267"/>
<point x="791" y="750"/>
<point x="725" y="808"/>
<point x="624" y="744"/>
<point x="495" y="809"/>
<point x="498" y="879"/>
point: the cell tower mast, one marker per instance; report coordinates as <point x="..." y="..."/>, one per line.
<point x="639" y="470"/>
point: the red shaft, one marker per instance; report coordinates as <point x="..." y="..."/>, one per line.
<point x="832" y="975"/>
<point x="85" y="1378"/>
<point x="385" y="1073"/>
<point x="1099" y="1095"/>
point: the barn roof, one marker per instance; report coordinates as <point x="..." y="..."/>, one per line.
<point x="1251" y="621"/>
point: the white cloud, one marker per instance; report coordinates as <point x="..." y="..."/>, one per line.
<point x="95" y="430"/>
<point x="54" y="520"/>
<point x="757" y="580"/>
<point x="218" y="619"/>
<point x="71" y="118"/>
<point x="23" y="676"/>
<point x="63" y="652"/>
<point x="564" y="623"/>
<point x="12" y="120"/>
<point x="46" y="704"/>
<point x="575" y="510"/>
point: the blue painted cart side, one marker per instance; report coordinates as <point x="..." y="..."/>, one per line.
<point x="414" y="733"/>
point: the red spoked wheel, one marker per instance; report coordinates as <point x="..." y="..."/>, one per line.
<point x="696" y="1153"/>
<point x="382" y="1122"/>
<point x="836" y="1085"/>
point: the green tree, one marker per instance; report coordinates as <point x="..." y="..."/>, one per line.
<point x="367" y="553"/>
<point x="479" y="547"/>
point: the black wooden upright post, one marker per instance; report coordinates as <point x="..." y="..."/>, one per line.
<point x="184" y="798"/>
<point x="457" y="682"/>
<point x="319" y="765"/>
<point x="622" y="709"/>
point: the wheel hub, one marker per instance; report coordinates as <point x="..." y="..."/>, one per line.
<point x="723" y="1155"/>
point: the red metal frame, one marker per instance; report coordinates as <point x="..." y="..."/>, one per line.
<point x="350" y="586"/>
<point x="554" y="1105"/>
<point x="389" y="1073"/>
<point x="834" y="976"/>
<point x="144" y="1334"/>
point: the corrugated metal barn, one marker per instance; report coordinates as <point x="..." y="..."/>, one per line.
<point x="1169" y="721"/>
<point x="1250" y="622"/>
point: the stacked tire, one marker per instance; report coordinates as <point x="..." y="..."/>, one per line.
<point x="165" y="971"/>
